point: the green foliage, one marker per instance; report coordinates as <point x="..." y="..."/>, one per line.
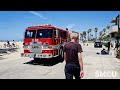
<point x="108" y="27"/>
<point x="106" y="38"/>
<point x="96" y="29"/>
<point x="105" y="44"/>
<point x="117" y="35"/>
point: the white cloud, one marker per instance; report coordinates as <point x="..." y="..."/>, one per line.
<point x="38" y="14"/>
<point x="70" y="26"/>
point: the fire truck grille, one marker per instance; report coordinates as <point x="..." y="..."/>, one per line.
<point x="36" y="47"/>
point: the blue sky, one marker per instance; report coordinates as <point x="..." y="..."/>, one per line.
<point x="13" y="23"/>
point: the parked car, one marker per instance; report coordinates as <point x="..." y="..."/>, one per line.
<point x="98" y="44"/>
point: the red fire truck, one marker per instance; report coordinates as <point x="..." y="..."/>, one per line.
<point x="44" y="41"/>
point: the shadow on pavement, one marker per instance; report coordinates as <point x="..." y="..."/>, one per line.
<point x="45" y="62"/>
<point x="97" y="53"/>
<point x="2" y="58"/>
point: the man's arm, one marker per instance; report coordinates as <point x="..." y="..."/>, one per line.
<point x="64" y="56"/>
<point x="64" y="51"/>
<point x="81" y="64"/>
<point x="80" y="60"/>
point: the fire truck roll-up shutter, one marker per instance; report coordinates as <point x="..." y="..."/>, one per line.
<point x="36" y="47"/>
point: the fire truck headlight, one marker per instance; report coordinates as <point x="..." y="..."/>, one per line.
<point x="26" y="46"/>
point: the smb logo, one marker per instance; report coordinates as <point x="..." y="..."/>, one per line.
<point x="105" y="74"/>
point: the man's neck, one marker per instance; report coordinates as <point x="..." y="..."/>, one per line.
<point x="72" y="40"/>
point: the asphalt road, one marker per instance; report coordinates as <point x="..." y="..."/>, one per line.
<point x="96" y="66"/>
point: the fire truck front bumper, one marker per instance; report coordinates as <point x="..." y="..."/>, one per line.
<point x="34" y="55"/>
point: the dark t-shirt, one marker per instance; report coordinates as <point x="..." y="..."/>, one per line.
<point x="72" y="49"/>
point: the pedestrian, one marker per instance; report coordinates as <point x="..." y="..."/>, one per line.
<point x="8" y="43"/>
<point x="116" y="45"/>
<point x="73" y="58"/>
<point x="109" y="46"/>
<point x="13" y="43"/>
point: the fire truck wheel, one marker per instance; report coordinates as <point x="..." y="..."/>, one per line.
<point x="61" y="57"/>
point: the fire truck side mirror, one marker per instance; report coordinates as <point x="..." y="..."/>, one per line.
<point x="66" y="28"/>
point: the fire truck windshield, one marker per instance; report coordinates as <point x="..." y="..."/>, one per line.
<point x="30" y="33"/>
<point x="44" y="33"/>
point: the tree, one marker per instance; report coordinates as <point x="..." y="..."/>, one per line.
<point x="96" y="29"/>
<point x="107" y="37"/>
<point x="84" y="35"/>
<point x="100" y="35"/>
<point x="91" y="36"/>
<point x="104" y="30"/>
<point x="108" y="27"/>
<point x="89" y="32"/>
<point x="81" y="36"/>
<point x="117" y="35"/>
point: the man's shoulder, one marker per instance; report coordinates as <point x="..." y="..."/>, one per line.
<point x="72" y="43"/>
<point x="77" y="43"/>
<point x="67" y="43"/>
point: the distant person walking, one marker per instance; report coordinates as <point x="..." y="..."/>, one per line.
<point x="8" y="43"/>
<point x="73" y="57"/>
<point x="109" y="43"/>
<point x="117" y="44"/>
<point x="13" y="43"/>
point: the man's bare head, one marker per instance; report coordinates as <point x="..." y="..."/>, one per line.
<point x="74" y="36"/>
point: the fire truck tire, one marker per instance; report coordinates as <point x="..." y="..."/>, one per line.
<point x="61" y="57"/>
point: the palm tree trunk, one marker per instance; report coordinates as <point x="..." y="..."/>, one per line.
<point x="96" y="35"/>
<point x="88" y="36"/>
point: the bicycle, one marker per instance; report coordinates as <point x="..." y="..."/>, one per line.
<point x="15" y="45"/>
<point x="7" y="46"/>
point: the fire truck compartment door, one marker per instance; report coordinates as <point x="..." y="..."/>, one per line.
<point x="36" y="47"/>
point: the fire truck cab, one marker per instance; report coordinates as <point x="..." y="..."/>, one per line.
<point x="44" y="41"/>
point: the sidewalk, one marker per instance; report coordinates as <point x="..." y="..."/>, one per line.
<point x="100" y="66"/>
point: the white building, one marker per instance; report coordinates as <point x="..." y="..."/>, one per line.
<point x="111" y="32"/>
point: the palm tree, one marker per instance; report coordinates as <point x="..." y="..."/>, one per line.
<point x="84" y="35"/>
<point x="91" y="36"/>
<point x="81" y="36"/>
<point x="108" y="27"/>
<point x="96" y="29"/>
<point x="104" y="30"/>
<point x="100" y="35"/>
<point x="90" y="32"/>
